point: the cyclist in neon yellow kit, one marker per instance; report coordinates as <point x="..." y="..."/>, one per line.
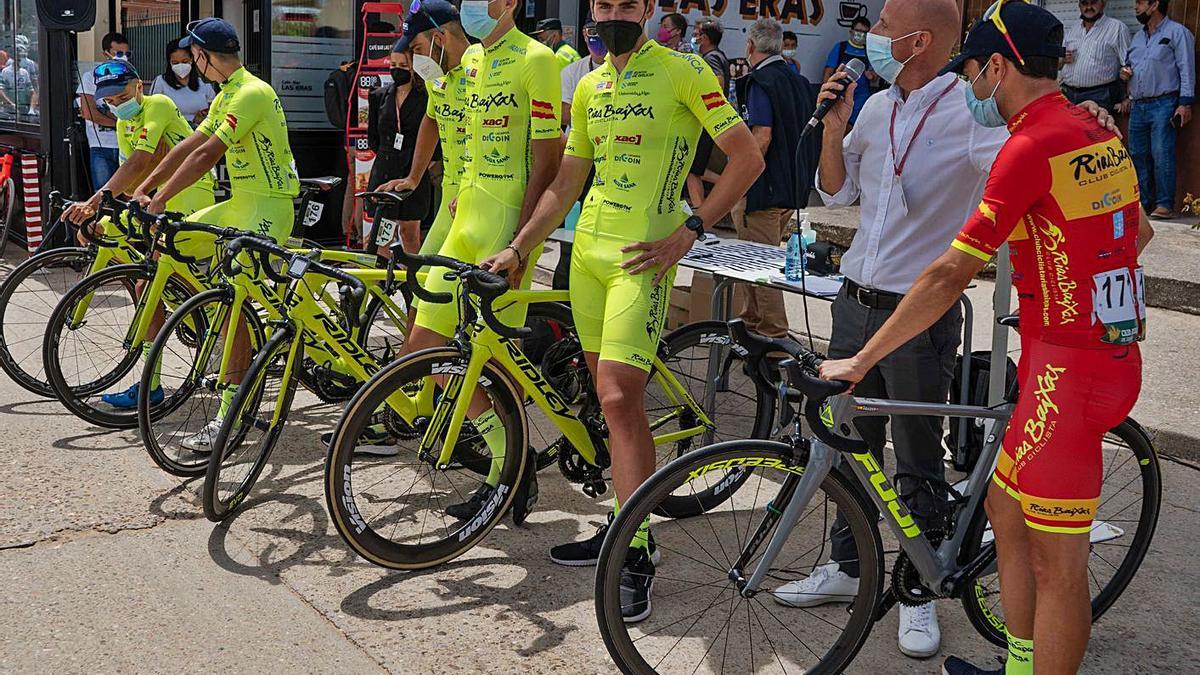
<point x="245" y="124"/>
<point x="636" y="119"/>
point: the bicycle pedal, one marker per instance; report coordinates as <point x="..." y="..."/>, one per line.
<point x="595" y="488"/>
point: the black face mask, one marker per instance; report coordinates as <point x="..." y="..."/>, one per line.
<point x="401" y="76"/>
<point x="619" y="36"/>
<point x="1143" y="18"/>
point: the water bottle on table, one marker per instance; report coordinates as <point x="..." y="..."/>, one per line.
<point x="801" y="238"/>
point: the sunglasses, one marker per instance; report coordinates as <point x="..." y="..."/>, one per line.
<point x="112" y="69"/>
<point x="993" y="14"/>
<point x="123" y="55"/>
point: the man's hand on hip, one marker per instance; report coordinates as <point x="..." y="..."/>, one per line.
<point x="663" y="254"/>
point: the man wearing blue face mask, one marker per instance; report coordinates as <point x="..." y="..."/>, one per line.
<point x="842" y="53"/>
<point x="918" y="162"/>
<point x="1080" y="372"/>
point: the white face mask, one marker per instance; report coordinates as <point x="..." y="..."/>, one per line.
<point x="427" y="68"/>
<point x="789" y="53"/>
<point x="182" y="70"/>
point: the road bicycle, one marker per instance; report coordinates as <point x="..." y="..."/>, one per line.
<point x="395" y="511"/>
<point x="8" y="195"/>
<point x="31" y="291"/>
<point x="713" y="604"/>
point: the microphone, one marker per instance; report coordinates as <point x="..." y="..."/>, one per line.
<point x="854" y="70"/>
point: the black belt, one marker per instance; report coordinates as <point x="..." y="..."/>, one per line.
<point x="1106" y="85"/>
<point x="872" y="298"/>
<point x="1173" y="94"/>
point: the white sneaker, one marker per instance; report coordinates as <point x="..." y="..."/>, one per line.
<point x="919" y="635"/>
<point x="202" y="441"/>
<point x="826" y="584"/>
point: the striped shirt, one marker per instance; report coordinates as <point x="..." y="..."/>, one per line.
<point x="1163" y="63"/>
<point x="1099" y="53"/>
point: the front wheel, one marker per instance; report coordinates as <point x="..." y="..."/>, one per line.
<point x="1130" y="497"/>
<point x="405" y="511"/>
<point x="700" y="619"/>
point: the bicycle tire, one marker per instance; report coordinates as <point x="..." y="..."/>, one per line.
<point x="769" y="455"/>
<point x="156" y="431"/>
<point x="355" y="516"/>
<point x="82" y="398"/>
<point x="27" y="369"/>
<point x="8" y="204"/>
<point x="249" y="395"/>
<point x="688" y="369"/>
<point x="975" y="598"/>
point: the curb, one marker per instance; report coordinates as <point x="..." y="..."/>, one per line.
<point x="1171" y="294"/>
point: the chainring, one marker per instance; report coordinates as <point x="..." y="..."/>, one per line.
<point x="907" y="585"/>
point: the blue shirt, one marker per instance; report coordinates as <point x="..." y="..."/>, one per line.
<point x="841" y="53"/>
<point x="758" y="108"/>
<point x="1163" y="63"/>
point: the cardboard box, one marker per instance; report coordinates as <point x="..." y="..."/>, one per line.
<point x="679" y="308"/>
<point x="701" y="292"/>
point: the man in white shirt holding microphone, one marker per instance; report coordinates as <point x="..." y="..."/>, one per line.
<point x="917" y="163"/>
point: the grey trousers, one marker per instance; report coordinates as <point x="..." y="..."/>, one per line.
<point x="920" y="370"/>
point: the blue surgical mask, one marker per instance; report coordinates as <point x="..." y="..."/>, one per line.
<point x="475" y="18"/>
<point x="128" y="110"/>
<point x="985" y="112"/>
<point x="879" y="53"/>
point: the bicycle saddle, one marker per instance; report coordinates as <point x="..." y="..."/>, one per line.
<point x="322" y="183"/>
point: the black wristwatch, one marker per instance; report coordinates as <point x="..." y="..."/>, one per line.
<point x="695" y="224"/>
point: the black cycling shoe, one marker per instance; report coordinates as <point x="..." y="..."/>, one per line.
<point x="587" y="552"/>
<point x="956" y="666"/>
<point x="467" y="510"/>
<point x="637" y="578"/>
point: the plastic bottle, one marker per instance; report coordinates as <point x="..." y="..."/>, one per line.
<point x="808" y="237"/>
<point x="793" y="261"/>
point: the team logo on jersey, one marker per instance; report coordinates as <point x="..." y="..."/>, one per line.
<point x="604" y="86"/>
<point x="239" y="164"/>
<point x="231" y="120"/>
<point x="1095" y="180"/>
<point x="449" y="112"/>
<point x="541" y="110"/>
<point x="495" y="158"/>
<point x="624" y="183"/>
<point x="496" y="63"/>
<point x="635" y="139"/>
<point x="496" y="137"/>
<point x="626" y="158"/>
<point x="712" y="100"/>
<point x="495" y="122"/>
<point x="440" y="83"/>
<point x="471" y="72"/>
<point x="492" y="100"/>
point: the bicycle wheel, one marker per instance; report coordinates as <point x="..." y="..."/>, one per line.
<point x="716" y="376"/>
<point x="187" y="355"/>
<point x="86" y="361"/>
<point x="252" y="427"/>
<point x="8" y="204"/>
<point x="27" y="298"/>
<point x="393" y="510"/>
<point x="1130" y="497"/>
<point x="700" y="620"/>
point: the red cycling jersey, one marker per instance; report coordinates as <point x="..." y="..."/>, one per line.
<point x="1064" y="194"/>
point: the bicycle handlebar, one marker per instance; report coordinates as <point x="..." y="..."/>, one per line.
<point x="486" y="285"/>
<point x="351" y="289"/>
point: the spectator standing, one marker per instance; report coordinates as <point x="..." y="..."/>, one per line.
<point x="181" y="83"/>
<point x="18" y="91"/>
<point x="790" y="42"/>
<point x="671" y="31"/>
<point x="1096" y="46"/>
<point x="394" y="116"/>
<point x="99" y="121"/>
<point x="779" y="102"/>
<point x="571" y="76"/>
<point x="846" y="51"/>
<point x="706" y="40"/>
<point x="550" y="33"/>
<point x="1161" y="70"/>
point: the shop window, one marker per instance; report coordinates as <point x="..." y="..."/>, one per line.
<point x="309" y="38"/>
<point x="19" y="104"/>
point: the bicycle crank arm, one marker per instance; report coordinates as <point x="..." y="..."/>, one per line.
<point x="821" y="460"/>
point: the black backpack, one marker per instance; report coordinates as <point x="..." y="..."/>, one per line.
<point x="338" y="86"/>
<point x="966" y="447"/>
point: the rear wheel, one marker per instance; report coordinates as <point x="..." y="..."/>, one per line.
<point x="28" y="297"/>
<point x="187" y="354"/>
<point x="1130" y="496"/>
<point x="91" y="358"/>
<point x="393" y="511"/>
<point x="249" y="432"/>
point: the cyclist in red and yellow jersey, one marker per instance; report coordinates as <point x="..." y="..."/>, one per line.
<point x="1063" y="193"/>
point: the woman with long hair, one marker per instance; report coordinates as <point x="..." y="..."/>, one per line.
<point x="181" y="83"/>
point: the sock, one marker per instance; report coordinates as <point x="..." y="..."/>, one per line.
<point x="156" y="375"/>
<point x="642" y="538"/>
<point x="488" y="425"/>
<point x="227" y="393"/>
<point x="1020" y="656"/>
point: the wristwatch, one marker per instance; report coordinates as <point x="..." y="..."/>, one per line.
<point x="695" y="224"/>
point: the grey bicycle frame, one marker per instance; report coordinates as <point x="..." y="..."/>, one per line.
<point x="934" y="565"/>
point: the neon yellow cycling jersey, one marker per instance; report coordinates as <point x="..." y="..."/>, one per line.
<point x="446" y="108"/>
<point x="565" y="54"/>
<point x="639" y="127"/>
<point x="248" y="117"/>
<point x="158" y="122"/>
<point x="511" y="98"/>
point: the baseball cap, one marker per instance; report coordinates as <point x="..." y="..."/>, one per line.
<point x="1009" y="26"/>
<point x="212" y="34"/>
<point x="547" y="24"/>
<point x="112" y="77"/>
<point x="425" y="15"/>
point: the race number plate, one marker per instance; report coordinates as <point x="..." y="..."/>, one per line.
<point x="1115" y="305"/>
<point x="387" y="228"/>
<point x="312" y="214"/>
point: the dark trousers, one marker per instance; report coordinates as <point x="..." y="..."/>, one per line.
<point x="920" y="370"/>
<point x="1106" y="96"/>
